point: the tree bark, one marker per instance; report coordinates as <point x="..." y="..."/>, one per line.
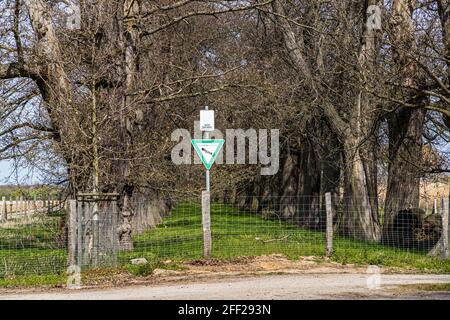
<point x="405" y="155"/>
<point x="360" y="216"/>
<point x="405" y="125"/>
<point x="288" y="187"/>
<point x="360" y="219"/>
<point x="309" y="181"/>
<point x="444" y="15"/>
<point x="330" y="170"/>
<point x="129" y="42"/>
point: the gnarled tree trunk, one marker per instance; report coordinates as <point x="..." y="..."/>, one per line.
<point x="406" y="125"/>
<point x="360" y="218"/>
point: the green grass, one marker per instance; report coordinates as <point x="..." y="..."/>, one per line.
<point x="234" y="235"/>
<point x="237" y="234"/>
<point x="31" y="248"/>
<point x="37" y="234"/>
<point x="32" y="262"/>
<point x="437" y="287"/>
<point x="33" y="281"/>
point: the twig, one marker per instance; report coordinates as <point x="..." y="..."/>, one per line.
<point x="271" y="240"/>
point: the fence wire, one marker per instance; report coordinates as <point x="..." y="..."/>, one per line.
<point x="33" y="244"/>
<point x="37" y="242"/>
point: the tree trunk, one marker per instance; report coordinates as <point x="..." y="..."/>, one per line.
<point x="444" y="15"/>
<point x="129" y="42"/>
<point x="360" y="219"/>
<point x="330" y="167"/>
<point x="288" y="186"/>
<point x="406" y="125"/>
<point x="309" y="181"/>
<point x="405" y="155"/>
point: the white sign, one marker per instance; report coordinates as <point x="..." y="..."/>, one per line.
<point x="208" y="150"/>
<point x="207" y="120"/>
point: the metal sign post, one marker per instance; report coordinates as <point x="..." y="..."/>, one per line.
<point x="202" y="125"/>
<point x="208" y="151"/>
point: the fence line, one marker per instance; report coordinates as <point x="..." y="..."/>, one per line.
<point x="244" y="226"/>
<point x="16" y="206"/>
<point x="329" y="208"/>
<point x="445" y="228"/>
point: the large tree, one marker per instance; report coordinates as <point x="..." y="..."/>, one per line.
<point x="406" y="125"/>
<point x="105" y="91"/>
<point x="338" y="90"/>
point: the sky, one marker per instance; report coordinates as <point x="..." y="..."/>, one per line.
<point x="5" y="172"/>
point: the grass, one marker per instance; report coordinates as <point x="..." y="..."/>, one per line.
<point x="438" y="287"/>
<point x="31" y="248"/>
<point x="38" y="234"/>
<point x="32" y="261"/>
<point x="31" y="254"/>
<point x="237" y="234"/>
<point x="34" y="281"/>
<point x="234" y="235"/>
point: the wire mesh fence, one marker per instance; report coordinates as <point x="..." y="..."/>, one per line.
<point x="293" y="226"/>
<point x="33" y="244"/>
<point x="235" y="232"/>
<point x="44" y="242"/>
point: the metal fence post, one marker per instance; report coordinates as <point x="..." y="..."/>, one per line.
<point x="445" y="228"/>
<point x="329" y="231"/>
<point x="206" y="219"/>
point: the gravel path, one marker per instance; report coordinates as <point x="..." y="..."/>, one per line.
<point x="307" y="286"/>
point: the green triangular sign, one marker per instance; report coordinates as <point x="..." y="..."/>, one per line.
<point x="208" y="150"/>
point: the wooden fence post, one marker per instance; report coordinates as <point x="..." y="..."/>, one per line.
<point x="445" y="228"/>
<point x="115" y="235"/>
<point x="95" y="232"/>
<point x="79" y="216"/>
<point x="4" y="210"/>
<point x="329" y="231"/>
<point x="25" y="206"/>
<point x="206" y="218"/>
<point x="60" y="202"/>
<point x="72" y="245"/>
<point x="49" y="205"/>
<point x="11" y="205"/>
<point x="35" y="204"/>
<point x="20" y="205"/>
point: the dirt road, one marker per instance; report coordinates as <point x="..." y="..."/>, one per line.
<point x="268" y="287"/>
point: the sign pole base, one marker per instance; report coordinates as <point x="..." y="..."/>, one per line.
<point x="206" y="219"/>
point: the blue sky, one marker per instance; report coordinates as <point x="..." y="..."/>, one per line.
<point x="5" y="171"/>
